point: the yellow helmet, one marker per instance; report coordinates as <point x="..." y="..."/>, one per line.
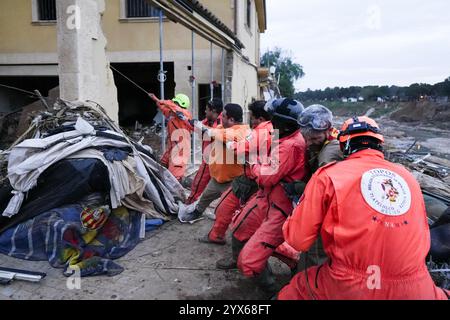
<point x="182" y="100"/>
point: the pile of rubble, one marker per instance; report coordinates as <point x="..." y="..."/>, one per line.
<point x="77" y="191"/>
<point x="433" y="175"/>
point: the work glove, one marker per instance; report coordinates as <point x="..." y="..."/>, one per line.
<point x="294" y="189"/>
<point x="231" y="145"/>
<point x="243" y="188"/>
<point x="205" y="129"/>
<point x="299" y="187"/>
<point x="199" y="125"/>
<point x="153" y="97"/>
<point x="180" y="115"/>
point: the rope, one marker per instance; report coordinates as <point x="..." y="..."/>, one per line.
<point x="131" y="81"/>
<point x="18" y="89"/>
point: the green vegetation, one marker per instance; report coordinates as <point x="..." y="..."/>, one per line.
<point x="286" y="71"/>
<point x="414" y="92"/>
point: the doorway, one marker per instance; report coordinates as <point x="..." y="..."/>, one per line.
<point x="134" y="104"/>
<point x="204" y="95"/>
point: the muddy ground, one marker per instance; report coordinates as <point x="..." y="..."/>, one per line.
<point x="169" y="264"/>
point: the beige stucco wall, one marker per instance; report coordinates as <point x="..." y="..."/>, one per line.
<point x="245" y="81"/>
<point x="244" y="86"/>
<point x="248" y="34"/>
<point x="19" y="35"/>
<point x="24" y="42"/>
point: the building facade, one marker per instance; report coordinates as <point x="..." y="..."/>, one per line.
<point x="29" y="60"/>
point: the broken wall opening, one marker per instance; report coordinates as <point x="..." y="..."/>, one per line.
<point x="135" y="105"/>
<point x="16" y="105"/>
<point x="12" y="100"/>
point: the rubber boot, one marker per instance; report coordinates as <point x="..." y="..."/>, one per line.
<point x="266" y="280"/>
<point x="231" y="263"/>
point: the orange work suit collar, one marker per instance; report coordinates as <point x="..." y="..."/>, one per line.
<point x="366" y="153"/>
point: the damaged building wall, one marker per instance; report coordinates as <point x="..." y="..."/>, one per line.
<point x="84" y="72"/>
<point x="244" y="84"/>
<point x="32" y="44"/>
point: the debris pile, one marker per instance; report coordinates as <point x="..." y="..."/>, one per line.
<point x="433" y="175"/>
<point x="148" y="135"/>
<point x="75" y="190"/>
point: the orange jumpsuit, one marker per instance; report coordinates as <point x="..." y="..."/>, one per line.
<point x="327" y="154"/>
<point x="229" y="203"/>
<point x="178" y="148"/>
<point x="371" y="216"/>
<point x="260" y="222"/>
<point x="202" y="177"/>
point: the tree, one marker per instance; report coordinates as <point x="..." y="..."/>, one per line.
<point x="370" y="93"/>
<point x="287" y="70"/>
<point x="442" y="88"/>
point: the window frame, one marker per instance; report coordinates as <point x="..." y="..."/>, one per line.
<point x="35" y="18"/>
<point x="124" y="12"/>
<point x="248" y="13"/>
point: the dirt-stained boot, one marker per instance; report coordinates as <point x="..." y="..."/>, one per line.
<point x="231" y="262"/>
<point x="266" y="280"/>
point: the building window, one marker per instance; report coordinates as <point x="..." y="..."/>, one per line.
<point x="249" y="13"/>
<point x="46" y="10"/>
<point x="140" y="9"/>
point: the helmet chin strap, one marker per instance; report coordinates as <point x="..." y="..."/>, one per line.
<point x="347" y="149"/>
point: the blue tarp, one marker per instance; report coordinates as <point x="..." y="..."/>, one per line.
<point x="59" y="237"/>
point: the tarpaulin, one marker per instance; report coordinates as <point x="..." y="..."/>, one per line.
<point x="65" y="182"/>
<point x="60" y="237"/>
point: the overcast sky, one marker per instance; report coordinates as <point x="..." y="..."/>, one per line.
<point x="362" y="42"/>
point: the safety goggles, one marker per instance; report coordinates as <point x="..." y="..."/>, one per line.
<point x="316" y="124"/>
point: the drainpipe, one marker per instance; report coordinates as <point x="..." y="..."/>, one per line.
<point x="194" y="108"/>
<point x="162" y="78"/>
<point x="223" y="75"/>
<point x="235" y="16"/>
<point x="211" y="85"/>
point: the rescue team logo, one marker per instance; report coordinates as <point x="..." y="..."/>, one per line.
<point x="386" y="192"/>
<point x="390" y="190"/>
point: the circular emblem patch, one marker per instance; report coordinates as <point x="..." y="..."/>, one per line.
<point x="386" y="192"/>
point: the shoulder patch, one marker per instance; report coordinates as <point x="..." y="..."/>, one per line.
<point x="324" y="167"/>
<point x="332" y="163"/>
<point x="386" y="192"/>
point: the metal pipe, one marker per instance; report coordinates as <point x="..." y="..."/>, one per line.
<point x="223" y="75"/>
<point x="211" y="85"/>
<point x="161" y="77"/>
<point x="194" y="108"/>
<point x="42" y="99"/>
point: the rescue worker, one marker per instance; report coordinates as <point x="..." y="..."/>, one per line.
<point x="178" y="148"/>
<point x="212" y="119"/>
<point x="371" y="216"/>
<point x="257" y="228"/>
<point x="242" y="188"/>
<point x="316" y="126"/>
<point x="223" y="164"/>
